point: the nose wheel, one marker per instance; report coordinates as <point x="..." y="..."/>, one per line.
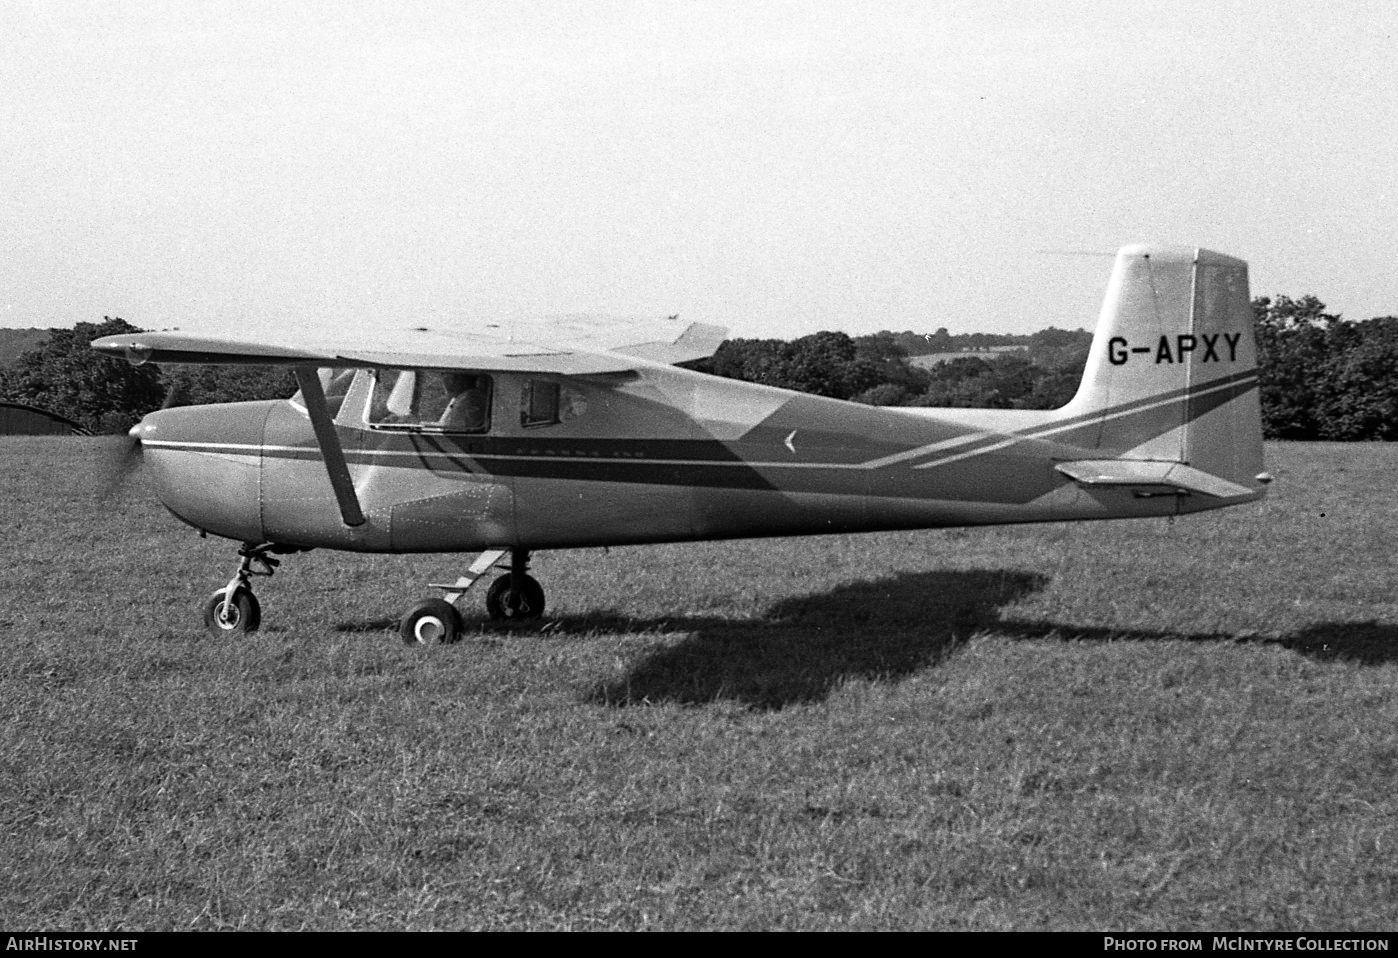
<point x="242" y="614"/>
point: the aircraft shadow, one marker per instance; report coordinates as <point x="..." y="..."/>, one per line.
<point x="888" y="629"/>
<point x="884" y="629"/>
<point x="805" y="647"/>
<point x="368" y="626"/>
<point x="1366" y="643"/>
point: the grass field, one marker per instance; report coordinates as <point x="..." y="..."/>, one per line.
<point x="1151" y="725"/>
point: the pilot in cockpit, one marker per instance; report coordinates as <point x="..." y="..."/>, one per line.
<point x="469" y="404"/>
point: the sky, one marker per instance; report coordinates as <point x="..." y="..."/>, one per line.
<point x="775" y="167"/>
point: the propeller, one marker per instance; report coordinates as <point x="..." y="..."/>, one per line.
<point x="121" y="457"/>
<point x="117" y="463"/>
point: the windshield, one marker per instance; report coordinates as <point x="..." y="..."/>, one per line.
<point x="335" y="381"/>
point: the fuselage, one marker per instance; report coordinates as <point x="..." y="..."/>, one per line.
<point x="657" y="454"/>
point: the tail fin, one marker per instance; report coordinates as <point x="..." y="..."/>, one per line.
<point x="1172" y="373"/>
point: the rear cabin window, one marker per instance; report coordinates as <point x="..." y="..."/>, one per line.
<point x="540" y="405"/>
<point x="430" y="400"/>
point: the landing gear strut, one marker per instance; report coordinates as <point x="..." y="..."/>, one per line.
<point x="514" y="596"/>
<point x="234" y="609"/>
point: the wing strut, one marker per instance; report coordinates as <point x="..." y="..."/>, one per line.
<point x="330" y="448"/>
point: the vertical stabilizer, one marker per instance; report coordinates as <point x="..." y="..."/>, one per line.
<point x="1172" y="373"/>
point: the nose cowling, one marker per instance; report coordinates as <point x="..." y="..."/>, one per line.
<point x="205" y="462"/>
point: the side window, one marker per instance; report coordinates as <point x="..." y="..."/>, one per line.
<point x="546" y="402"/>
<point x="430" y="400"/>
<point x="540" y="403"/>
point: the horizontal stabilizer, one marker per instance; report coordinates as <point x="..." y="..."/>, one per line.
<point x="1141" y="472"/>
<point x="699" y="341"/>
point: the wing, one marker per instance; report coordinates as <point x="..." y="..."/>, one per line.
<point x="570" y="345"/>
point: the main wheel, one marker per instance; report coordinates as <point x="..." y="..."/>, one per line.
<point x="242" y="615"/>
<point x="431" y="622"/>
<point x="505" y="601"/>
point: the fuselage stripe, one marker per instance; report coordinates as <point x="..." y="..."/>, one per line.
<point x="953" y="449"/>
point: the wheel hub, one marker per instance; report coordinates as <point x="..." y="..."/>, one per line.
<point x="430" y="630"/>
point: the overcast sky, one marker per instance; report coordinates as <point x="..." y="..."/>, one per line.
<point x="775" y="167"/>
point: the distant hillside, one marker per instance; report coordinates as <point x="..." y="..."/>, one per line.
<point x="928" y="360"/>
<point x="943" y="344"/>
<point x="16" y="342"/>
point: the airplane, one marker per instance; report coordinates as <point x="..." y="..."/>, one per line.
<point x="584" y="434"/>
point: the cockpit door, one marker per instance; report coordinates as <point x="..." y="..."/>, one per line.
<point x="425" y="436"/>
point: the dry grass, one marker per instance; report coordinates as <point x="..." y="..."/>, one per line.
<point x="1147" y="725"/>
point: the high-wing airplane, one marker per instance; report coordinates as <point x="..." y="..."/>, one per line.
<point x="505" y="441"/>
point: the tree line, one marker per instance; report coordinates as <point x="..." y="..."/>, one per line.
<point x="1041" y="372"/>
<point x="105" y="394"/>
<point x="1321" y="377"/>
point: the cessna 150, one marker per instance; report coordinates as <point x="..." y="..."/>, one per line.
<point x="563" y="434"/>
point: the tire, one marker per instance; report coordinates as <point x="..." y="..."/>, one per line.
<point x="504" y="602"/>
<point x="244" y="616"/>
<point x="430" y="622"/>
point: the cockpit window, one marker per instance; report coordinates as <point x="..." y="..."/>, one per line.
<point x="335" y="382"/>
<point x="430" y="400"/>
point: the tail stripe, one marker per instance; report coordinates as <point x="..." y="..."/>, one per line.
<point x="1216" y="393"/>
<point x="1247" y="379"/>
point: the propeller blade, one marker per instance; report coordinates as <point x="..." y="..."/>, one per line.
<point x="118" y="461"/>
<point x="174" y="396"/>
<point x="121" y="458"/>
